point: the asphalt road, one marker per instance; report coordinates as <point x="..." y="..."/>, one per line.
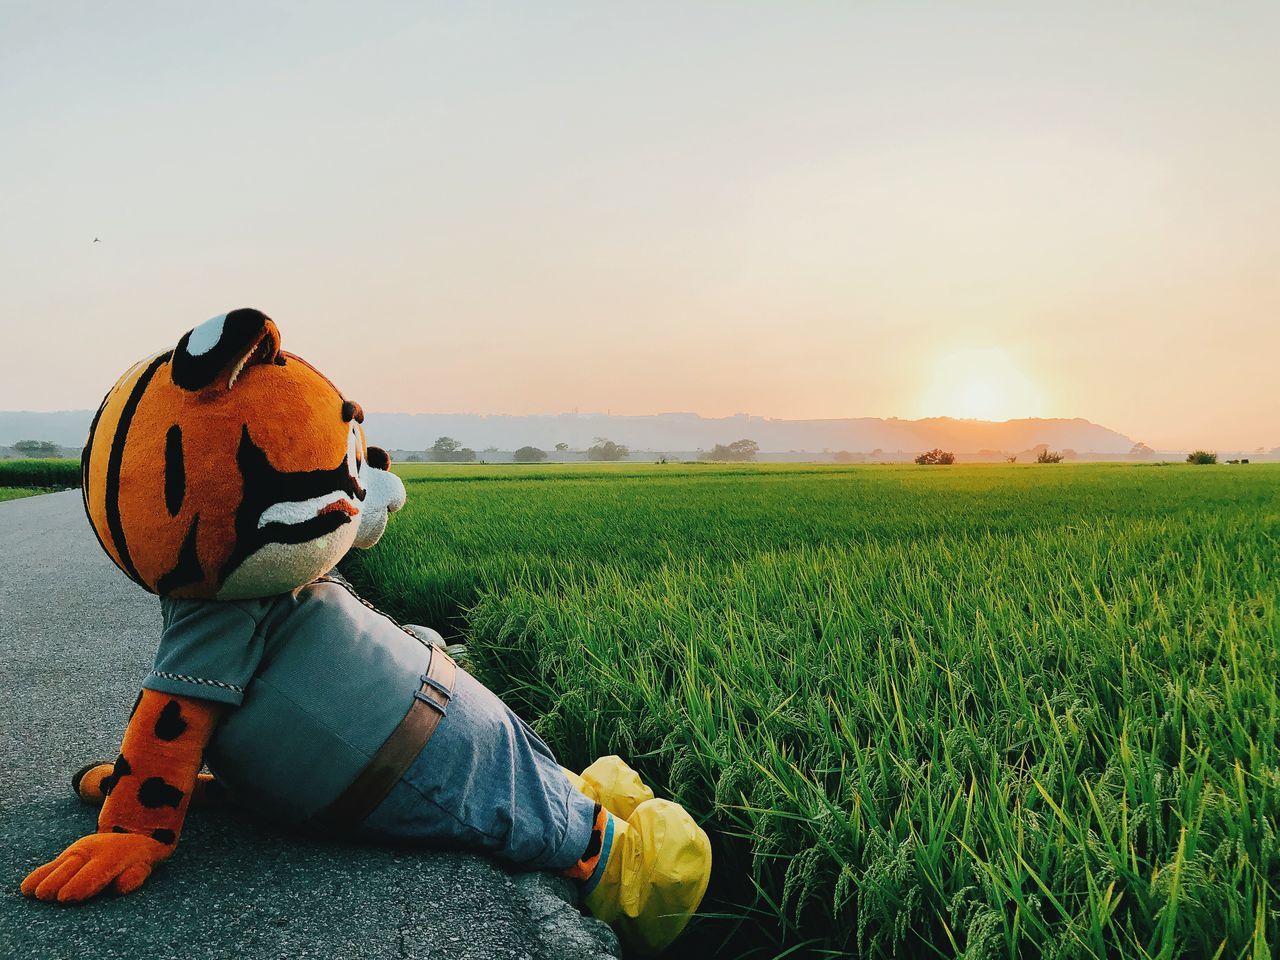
<point x="76" y="638"/>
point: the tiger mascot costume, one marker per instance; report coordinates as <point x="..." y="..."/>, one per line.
<point x="229" y="477"/>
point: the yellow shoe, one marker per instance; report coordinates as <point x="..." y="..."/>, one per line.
<point x="613" y="785"/>
<point x="654" y="868"/>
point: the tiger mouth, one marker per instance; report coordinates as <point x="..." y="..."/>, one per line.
<point x="342" y="504"/>
<point x="295" y="513"/>
<point x="321" y="524"/>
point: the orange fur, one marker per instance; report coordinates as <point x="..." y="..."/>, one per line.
<point x="206" y="794"/>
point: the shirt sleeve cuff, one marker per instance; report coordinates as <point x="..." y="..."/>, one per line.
<point x="200" y="688"/>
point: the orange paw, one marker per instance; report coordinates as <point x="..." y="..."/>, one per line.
<point x="88" y="866"/>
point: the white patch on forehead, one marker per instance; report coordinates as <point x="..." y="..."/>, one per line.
<point x="206" y="336"/>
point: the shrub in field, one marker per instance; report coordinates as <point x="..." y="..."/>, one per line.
<point x="40" y="473"/>
<point x="529" y="455"/>
<point x="936" y="456"/>
<point x="449" y="450"/>
<point x="603" y="449"/>
<point x="1048" y="456"/>
<point x="739" y="450"/>
<point x="1202" y="456"/>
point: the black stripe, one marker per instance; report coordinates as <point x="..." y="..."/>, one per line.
<point x="175" y="474"/>
<point x="304" y="530"/>
<point x="186" y="570"/>
<point x="596" y="841"/>
<point x="88" y="446"/>
<point x="85" y="454"/>
<point x="117" y="459"/>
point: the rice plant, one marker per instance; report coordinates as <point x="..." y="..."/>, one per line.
<point x="986" y="712"/>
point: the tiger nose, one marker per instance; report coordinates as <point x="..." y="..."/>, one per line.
<point x="377" y="458"/>
<point x="398" y="494"/>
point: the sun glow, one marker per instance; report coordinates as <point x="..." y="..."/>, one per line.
<point x="981" y="383"/>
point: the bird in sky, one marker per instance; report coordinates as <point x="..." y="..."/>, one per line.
<point x="96" y="240"/>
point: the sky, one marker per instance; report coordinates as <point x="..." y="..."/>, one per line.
<point x="792" y="210"/>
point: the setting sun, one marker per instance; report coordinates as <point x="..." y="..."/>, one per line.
<point x="982" y="383"/>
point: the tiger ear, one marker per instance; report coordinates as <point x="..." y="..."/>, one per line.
<point x="219" y="349"/>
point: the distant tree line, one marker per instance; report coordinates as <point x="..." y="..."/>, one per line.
<point x="449" y="450"/>
<point x="38" y="449"/>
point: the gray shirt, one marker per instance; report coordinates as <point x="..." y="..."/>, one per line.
<point x="318" y="679"/>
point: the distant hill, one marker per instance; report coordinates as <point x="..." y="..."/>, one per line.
<point x="688" y="431"/>
<point x="668" y="432"/>
<point x="68" y="428"/>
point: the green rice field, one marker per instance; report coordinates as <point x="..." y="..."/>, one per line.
<point x="980" y="711"/>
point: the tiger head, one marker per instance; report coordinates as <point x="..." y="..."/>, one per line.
<point x="226" y="468"/>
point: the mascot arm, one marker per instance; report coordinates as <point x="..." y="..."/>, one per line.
<point x="147" y="797"/>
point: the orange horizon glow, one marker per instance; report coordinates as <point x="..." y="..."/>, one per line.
<point x="980" y="384"/>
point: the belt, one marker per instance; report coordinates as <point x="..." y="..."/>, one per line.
<point x="407" y="740"/>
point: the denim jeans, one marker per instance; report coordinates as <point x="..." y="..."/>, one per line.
<point x="485" y="781"/>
